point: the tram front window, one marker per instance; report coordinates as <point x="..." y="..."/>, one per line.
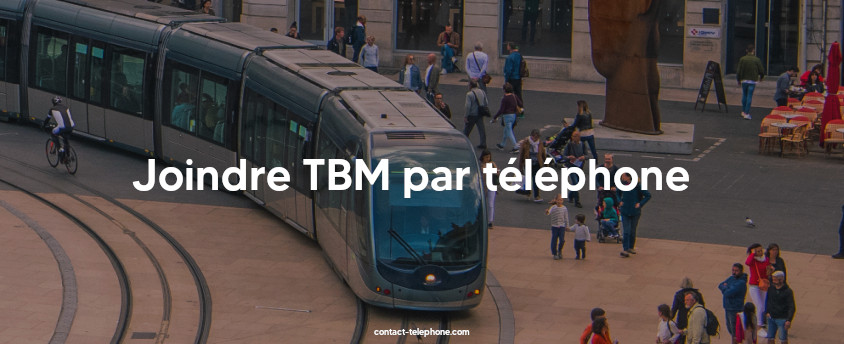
<point x="431" y="227"/>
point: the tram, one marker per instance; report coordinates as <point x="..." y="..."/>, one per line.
<point x="177" y="85"/>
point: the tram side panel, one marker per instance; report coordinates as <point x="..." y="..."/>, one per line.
<point x="9" y="64"/>
<point x="103" y="63"/>
<point x="277" y="129"/>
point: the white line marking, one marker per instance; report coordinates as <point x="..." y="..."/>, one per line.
<point x="653" y="157"/>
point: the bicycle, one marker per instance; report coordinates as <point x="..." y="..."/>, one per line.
<point x="56" y="156"/>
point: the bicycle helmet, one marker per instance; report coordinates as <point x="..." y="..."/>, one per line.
<point x="57" y="100"/>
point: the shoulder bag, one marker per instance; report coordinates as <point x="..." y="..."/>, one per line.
<point x="486" y="78"/>
<point x="483" y="110"/>
<point x="764" y="283"/>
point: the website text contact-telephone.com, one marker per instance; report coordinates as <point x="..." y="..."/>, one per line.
<point x="420" y="332"/>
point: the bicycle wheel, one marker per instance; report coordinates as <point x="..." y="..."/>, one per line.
<point x="52" y="153"/>
<point x="71" y="162"/>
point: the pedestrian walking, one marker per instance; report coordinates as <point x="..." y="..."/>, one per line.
<point x="581" y="236"/>
<point x="510" y="105"/>
<point x="748" y="73"/>
<point x="746" y="325"/>
<point x="757" y="265"/>
<point x="486" y="162"/>
<point x="779" y="308"/>
<point x="679" y="311"/>
<point x="532" y="149"/>
<point x="512" y="68"/>
<point x="475" y="101"/>
<point x="696" y="329"/>
<point x="559" y="222"/>
<point x="587" y="332"/>
<point x="667" y="331"/>
<point x="583" y="123"/>
<point x="631" y="210"/>
<point x="734" y="288"/>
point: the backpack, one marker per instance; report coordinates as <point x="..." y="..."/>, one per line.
<point x="524" y="72"/>
<point x="711" y="325"/>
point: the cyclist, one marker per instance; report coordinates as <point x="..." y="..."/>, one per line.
<point x="64" y="123"/>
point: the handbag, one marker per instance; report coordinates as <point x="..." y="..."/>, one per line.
<point x="519" y="110"/>
<point x="486" y="78"/>
<point x="483" y="110"/>
<point x="764" y="284"/>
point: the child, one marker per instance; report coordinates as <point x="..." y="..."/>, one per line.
<point x="609" y="217"/>
<point x="559" y="223"/>
<point x="581" y="236"/>
<point x="667" y="331"/>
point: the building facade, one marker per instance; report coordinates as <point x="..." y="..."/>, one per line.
<point x="554" y="34"/>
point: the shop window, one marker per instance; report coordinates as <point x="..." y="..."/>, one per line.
<point x="672" y="29"/>
<point x="419" y="22"/>
<point x="540" y="28"/>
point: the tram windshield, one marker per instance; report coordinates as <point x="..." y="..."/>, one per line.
<point x="431" y="227"/>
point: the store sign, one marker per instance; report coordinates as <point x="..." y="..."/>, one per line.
<point x="704" y="32"/>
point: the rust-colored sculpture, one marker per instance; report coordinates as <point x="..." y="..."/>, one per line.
<point x="625" y="43"/>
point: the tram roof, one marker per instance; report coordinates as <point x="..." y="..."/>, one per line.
<point x="149" y="11"/>
<point x="394" y="109"/>
<point x="246" y="36"/>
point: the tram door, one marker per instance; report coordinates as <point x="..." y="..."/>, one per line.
<point x="771" y="25"/>
<point x="318" y="18"/>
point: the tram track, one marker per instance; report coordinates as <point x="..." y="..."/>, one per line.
<point x="203" y="293"/>
<point x="372" y="319"/>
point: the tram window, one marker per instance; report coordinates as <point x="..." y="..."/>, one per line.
<point x="183" y="84"/>
<point x="276" y="131"/>
<point x="298" y="139"/>
<point x="97" y="61"/>
<point x="212" y="108"/>
<point x="9" y="51"/>
<point x="254" y="124"/>
<point x="127" y="76"/>
<point x="51" y="61"/>
<point x="4" y="33"/>
<point x="80" y="62"/>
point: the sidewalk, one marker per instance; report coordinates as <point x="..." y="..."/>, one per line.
<point x="763" y="96"/>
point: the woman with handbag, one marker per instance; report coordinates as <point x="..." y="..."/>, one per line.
<point x="511" y="105"/>
<point x="758" y="263"/>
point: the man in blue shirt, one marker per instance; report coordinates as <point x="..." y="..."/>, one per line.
<point x="783" y="83"/>
<point x="476" y="64"/>
<point x="512" y="68"/>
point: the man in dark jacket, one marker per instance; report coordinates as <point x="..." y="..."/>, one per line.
<point x="779" y="308"/>
<point x="734" y="289"/>
<point x="631" y="210"/>
<point x="338" y="44"/>
<point x="358" y="37"/>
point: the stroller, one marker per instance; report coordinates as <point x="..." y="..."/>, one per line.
<point x="602" y="234"/>
<point x="555" y="145"/>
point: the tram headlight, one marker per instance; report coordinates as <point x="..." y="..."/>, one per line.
<point x="430" y="279"/>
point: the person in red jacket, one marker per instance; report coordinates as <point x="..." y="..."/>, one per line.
<point x="757" y="264"/>
<point x="587" y="333"/>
